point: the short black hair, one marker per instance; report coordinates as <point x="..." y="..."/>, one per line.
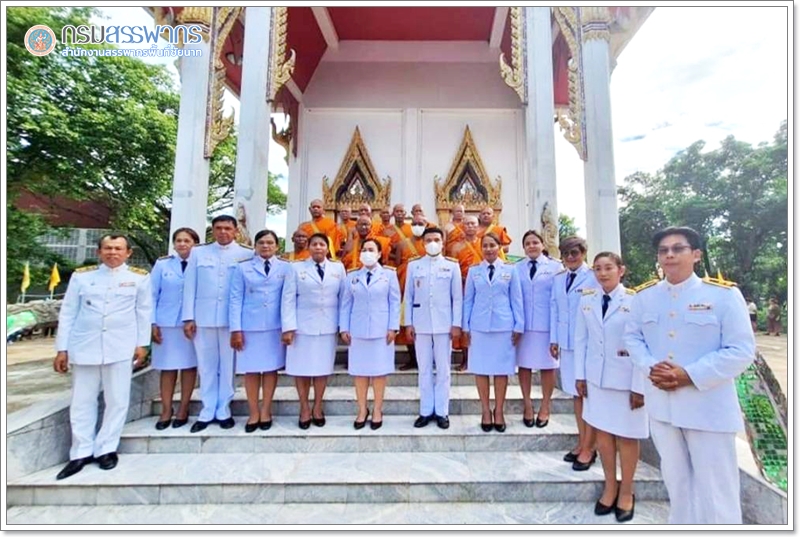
<point x="267" y="232"/>
<point x="430" y="230"/>
<point x="189" y="231"/>
<point x="323" y="237"/>
<point x="534" y="233"/>
<point x="375" y="242"/>
<point x="224" y="218"/>
<point x="691" y="236"/>
<point x="113" y="236"/>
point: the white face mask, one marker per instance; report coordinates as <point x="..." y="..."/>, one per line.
<point x="369" y="258"/>
<point x="433" y="248"/>
<point x="417" y="230"/>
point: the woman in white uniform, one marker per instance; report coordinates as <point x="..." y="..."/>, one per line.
<point x="369" y="318"/>
<point x="493" y="321"/>
<point x="171" y="350"/>
<point x="255" y="325"/>
<point x="310" y="324"/>
<point x="610" y="384"/>
<point x="536" y="274"/>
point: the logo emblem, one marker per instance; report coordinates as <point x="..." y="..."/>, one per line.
<point x="40" y="40"/>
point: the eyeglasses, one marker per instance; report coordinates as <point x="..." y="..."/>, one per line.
<point x="676" y="249"/>
<point x="575" y="252"/>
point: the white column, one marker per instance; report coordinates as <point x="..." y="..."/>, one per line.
<point x="602" y="217"/>
<point x="539" y="113"/>
<point x="252" y="150"/>
<point x="190" y="180"/>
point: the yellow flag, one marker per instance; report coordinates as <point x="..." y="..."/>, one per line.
<point x="26" y="277"/>
<point x="55" y="278"/>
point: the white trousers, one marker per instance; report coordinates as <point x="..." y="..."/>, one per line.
<point x="434" y="395"/>
<point x="701" y="473"/>
<point x="215" y="367"/>
<point x="87" y="381"/>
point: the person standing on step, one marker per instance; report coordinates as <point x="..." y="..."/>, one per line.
<point x="611" y="386"/>
<point x="693" y="337"/>
<point x="310" y="322"/>
<point x="369" y="319"/>
<point x="564" y="298"/>
<point x="172" y="351"/>
<point x="536" y="272"/>
<point x="493" y="321"/>
<point x="206" y="294"/>
<point x="433" y="301"/>
<point x="255" y="325"/>
<point x="103" y="326"/>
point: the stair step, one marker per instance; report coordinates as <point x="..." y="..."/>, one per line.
<point x="326" y="478"/>
<point x="569" y="512"/>
<point x="340" y="377"/>
<point x="338" y="436"/>
<point x="398" y="400"/>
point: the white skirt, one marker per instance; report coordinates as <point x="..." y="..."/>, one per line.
<point x="370" y="357"/>
<point x="491" y="353"/>
<point x="175" y="351"/>
<point x="263" y="352"/>
<point x="566" y="369"/>
<point x="533" y="351"/>
<point x="311" y="356"/>
<point x="610" y="411"/>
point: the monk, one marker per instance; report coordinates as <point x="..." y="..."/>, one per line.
<point x="407" y="245"/>
<point x="468" y="252"/>
<point x="320" y="223"/>
<point x="384" y="227"/>
<point x="352" y="250"/>
<point x="344" y="229"/>
<point x="454" y="230"/>
<point x="485" y="225"/>
<point x="300" y="242"/>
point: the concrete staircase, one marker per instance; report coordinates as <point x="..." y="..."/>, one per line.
<point x="337" y="475"/>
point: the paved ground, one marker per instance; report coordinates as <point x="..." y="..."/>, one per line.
<point x="30" y="375"/>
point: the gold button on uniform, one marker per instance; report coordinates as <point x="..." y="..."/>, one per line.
<point x="670" y="356"/>
<point x="672" y="334"/>
<point x="672" y="314"/>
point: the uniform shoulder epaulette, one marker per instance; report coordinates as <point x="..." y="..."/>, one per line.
<point x="352" y="270"/>
<point x="414" y="258"/>
<point x="511" y="262"/>
<point x="454" y="260"/>
<point x="246" y="246"/>
<point x="245" y="259"/>
<point x="630" y="291"/>
<point x="87" y="269"/>
<point x="646" y="285"/>
<point x="562" y="271"/>
<point x="719" y="283"/>
<point x="138" y="270"/>
<point x="589" y="291"/>
<point x="165" y="257"/>
<point x="335" y="261"/>
<point x="390" y="268"/>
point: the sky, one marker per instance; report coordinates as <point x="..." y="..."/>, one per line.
<point x="689" y="74"/>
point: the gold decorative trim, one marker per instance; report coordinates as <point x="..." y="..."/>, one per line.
<point x="596" y="21"/>
<point x="550" y="231"/>
<point x="217" y="125"/>
<point x="196" y="15"/>
<point x="280" y="71"/>
<point x="514" y="74"/>
<point x="572" y="119"/>
<point x="351" y="188"/>
<point x="480" y="191"/>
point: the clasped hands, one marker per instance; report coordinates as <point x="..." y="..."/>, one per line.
<point x="669" y="376"/>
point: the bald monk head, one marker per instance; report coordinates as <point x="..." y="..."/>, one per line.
<point x="457" y="214"/>
<point x="386" y="216"/>
<point x="487" y="215"/>
<point x="344" y="214"/>
<point x="365" y="210"/>
<point x="470" y="226"/>
<point x="417" y="209"/>
<point x="399" y="213"/>
<point x="316" y="209"/>
<point x="363" y="226"/>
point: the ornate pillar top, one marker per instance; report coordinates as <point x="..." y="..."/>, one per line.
<point x="595" y="22"/>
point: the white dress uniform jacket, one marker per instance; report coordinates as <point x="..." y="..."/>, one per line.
<point x="207" y="283"/>
<point x="564" y="305"/>
<point x="369" y="311"/>
<point x="310" y="305"/>
<point x="536" y="293"/>
<point x="496" y="305"/>
<point x="600" y="354"/>
<point x="704" y="328"/>
<point x="105" y="315"/>
<point x="167" y="286"/>
<point x="432" y="308"/>
<point x="255" y="302"/>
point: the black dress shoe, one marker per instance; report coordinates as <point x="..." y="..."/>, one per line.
<point x="161" y="425"/>
<point x="602" y="509"/>
<point x="178" y="423"/>
<point x="251" y="427"/>
<point x="486" y="427"/>
<point x="422" y="421"/>
<point x="375" y="425"/>
<point x="500" y="427"/>
<point x="528" y="422"/>
<point x="570" y="456"/>
<point x="579" y="466"/>
<point x="73" y="467"/>
<point x="358" y="425"/>
<point x="542" y="424"/>
<point x="408" y="366"/>
<point x="318" y="422"/>
<point x="265" y="425"/>
<point x="304" y="424"/>
<point x="443" y="422"/>
<point x="200" y="426"/>
<point x="227" y="423"/>
<point x="108" y="461"/>
<point x="624" y="516"/>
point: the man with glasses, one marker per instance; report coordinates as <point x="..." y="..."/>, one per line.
<point x="568" y="285"/>
<point x="692" y="337"/>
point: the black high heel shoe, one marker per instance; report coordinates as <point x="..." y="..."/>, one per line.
<point x="304" y="424"/>
<point x="357" y="425"/>
<point x="622" y="515"/>
<point x="499" y="427"/>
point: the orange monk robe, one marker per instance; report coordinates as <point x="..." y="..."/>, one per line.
<point x="292" y="256"/>
<point x="352" y="260"/>
<point x="501" y="232"/>
<point x="468" y="253"/>
<point x="455" y="235"/>
<point x="343" y="233"/>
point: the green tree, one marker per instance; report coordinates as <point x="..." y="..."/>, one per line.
<point x="736" y="196"/>
<point x="566" y="226"/>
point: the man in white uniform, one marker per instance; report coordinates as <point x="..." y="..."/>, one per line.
<point x="206" y="289"/>
<point x="103" y="324"/>
<point x="433" y="298"/>
<point x="694" y="338"/>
